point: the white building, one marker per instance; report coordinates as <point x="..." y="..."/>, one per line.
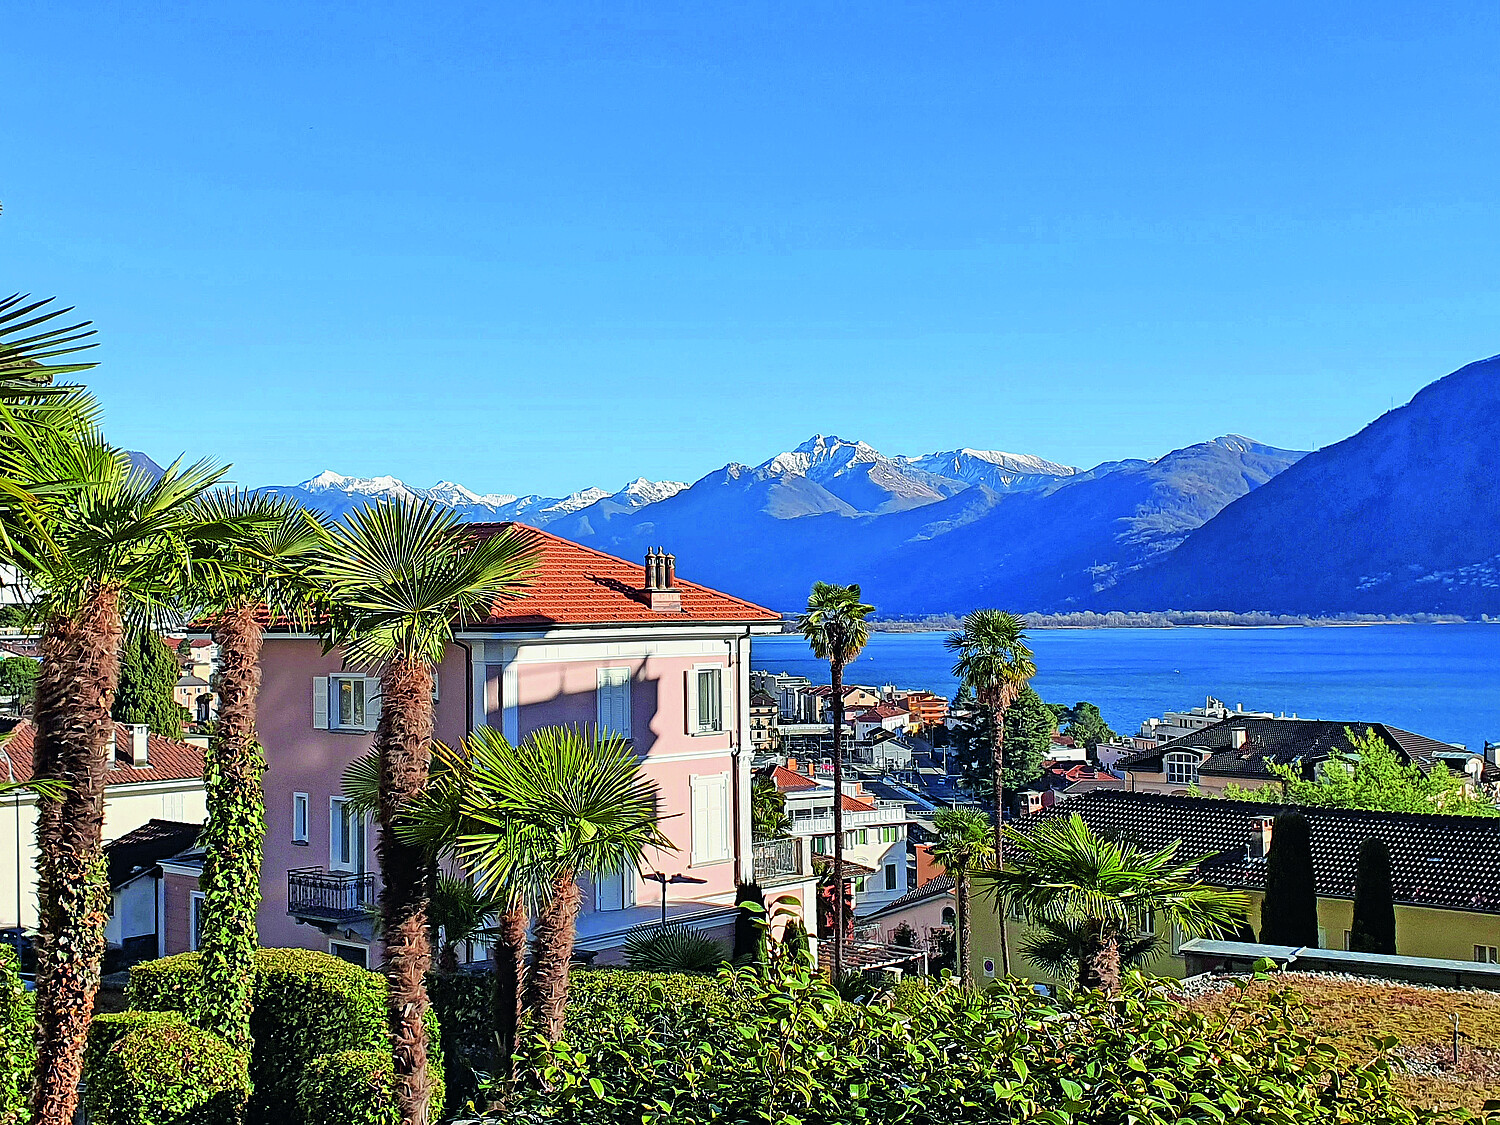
<point x="1176" y="724"/>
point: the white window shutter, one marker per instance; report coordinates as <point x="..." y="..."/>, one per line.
<point x="720" y="815"/>
<point x="320" y="702"/>
<point x="723" y="701"/>
<point x="691" y="694"/>
<point x="613" y="695"/>
<point x="372" y="702"/>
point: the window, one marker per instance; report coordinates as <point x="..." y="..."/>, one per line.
<point x="346" y="704"/>
<point x="195" y="920"/>
<point x="1182" y="768"/>
<point x="614" y="701"/>
<point x="710" y="818"/>
<point x="706" y="700"/>
<point x="890" y="835"/>
<point x="299" y="818"/>
<point x="348" y="951"/>
<point x="1489" y="954"/>
<point x="859" y="885"/>
<point x="346" y="845"/>
<point x="822" y="844"/>
<point x="890" y="876"/>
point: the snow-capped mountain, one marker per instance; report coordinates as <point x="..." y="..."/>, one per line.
<point x="1003" y="472"/>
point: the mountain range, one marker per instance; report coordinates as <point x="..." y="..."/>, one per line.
<point x="1400" y="518"/>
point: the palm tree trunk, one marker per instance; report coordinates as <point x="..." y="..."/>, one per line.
<point x="837" y="670"/>
<point x="963" y="937"/>
<point x="1100" y="966"/>
<point x="556" y="929"/>
<point x="404" y="738"/>
<point x="510" y="975"/>
<point x="997" y="764"/>
<point x="235" y="837"/>
<point x="74" y="741"/>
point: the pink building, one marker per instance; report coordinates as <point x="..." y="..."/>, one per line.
<point x="594" y="641"/>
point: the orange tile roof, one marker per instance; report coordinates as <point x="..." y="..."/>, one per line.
<point x="787" y="780"/>
<point x="854" y="804"/>
<point x="169" y="759"/>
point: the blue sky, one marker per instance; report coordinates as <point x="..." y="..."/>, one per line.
<point x="536" y="247"/>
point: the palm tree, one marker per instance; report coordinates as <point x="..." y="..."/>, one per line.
<point x="267" y="541"/>
<point x="396" y="577"/>
<point x="963" y="847"/>
<point x="460" y="913"/>
<point x="112" y="548"/>
<point x="527" y="821"/>
<point x="836" y="629"/>
<point x="995" y="663"/>
<point x="1106" y="895"/>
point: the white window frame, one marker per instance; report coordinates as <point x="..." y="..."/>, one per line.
<point x="1181" y="768"/>
<point x="698" y="724"/>
<point x="349" y="945"/>
<point x="303" y="804"/>
<point x="361" y="721"/>
<point x="1487" y="954"/>
<point x="356" y="862"/>
<point x="703" y="852"/>
<point x="608" y="682"/>
<point x="195" y="917"/>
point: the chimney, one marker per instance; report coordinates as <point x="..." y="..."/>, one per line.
<point x="660" y="592"/>
<point x="138" y="739"/>
<point x="1236" y="738"/>
<point x="1260" y="836"/>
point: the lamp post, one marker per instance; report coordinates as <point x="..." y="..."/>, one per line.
<point x="664" y="879"/>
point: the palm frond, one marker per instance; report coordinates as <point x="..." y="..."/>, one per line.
<point x="672" y="949"/>
<point x="993" y="659"/>
<point x="834" y="622"/>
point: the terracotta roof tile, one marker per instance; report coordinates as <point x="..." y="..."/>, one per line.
<point x="169" y="759"/>
<point x="790" y="780"/>
<point x="854" y="804"/>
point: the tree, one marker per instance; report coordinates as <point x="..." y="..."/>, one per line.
<point x="1086" y="725"/>
<point x="1094" y="899"/>
<point x="994" y="660"/>
<point x="750" y="929"/>
<point x="963" y="846"/>
<point x="262" y="553"/>
<point x="527" y="821"/>
<point x="768" y="817"/>
<point x="1028" y="738"/>
<point x="1289" y="911"/>
<point x="395" y="578"/>
<point x="1369" y="775"/>
<point x="18" y="680"/>
<point x="148" y="682"/>
<point x="1374" y="927"/>
<point x="836" y="626"/>
<point x="460" y="911"/>
<point x="112" y="545"/>
<point x="14" y="617"/>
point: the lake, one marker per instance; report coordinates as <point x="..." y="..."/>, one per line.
<point x="1439" y="680"/>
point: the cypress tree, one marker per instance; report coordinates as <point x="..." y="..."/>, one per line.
<point x="148" y="679"/>
<point x="749" y="925"/>
<point x="1374" y="926"/>
<point x="1289" y="912"/>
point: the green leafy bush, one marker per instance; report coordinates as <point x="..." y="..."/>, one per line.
<point x="357" y="1088"/>
<point x="154" y="1068"/>
<point x="1004" y="1055"/>
<point x="17" y="1041"/>
<point x="307" y="1004"/>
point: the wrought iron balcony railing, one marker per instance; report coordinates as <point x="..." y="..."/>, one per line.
<point x="779" y="858"/>
<point x="334" y="896"/>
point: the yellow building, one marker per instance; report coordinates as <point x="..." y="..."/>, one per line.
<point x="1445" y="872"/>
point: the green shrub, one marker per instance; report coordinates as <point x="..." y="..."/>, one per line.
<point x="307" y="1004"/>
<point x="154" y="1068"/>
<point x="17" y="1041"/>
<point x="672" y="949"/>
<point x="355" y="1088"/>
<point x="464" y="1006"/>
<point x="1006" y="1055"/>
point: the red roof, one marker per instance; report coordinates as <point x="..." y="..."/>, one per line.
<point x="854" y="804"/>
<point x="788" y="780"/>
<point x="169" y="759"/>
<point x="880" y="711"/>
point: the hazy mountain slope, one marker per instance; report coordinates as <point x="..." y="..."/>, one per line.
<point x="1403" y="517"/>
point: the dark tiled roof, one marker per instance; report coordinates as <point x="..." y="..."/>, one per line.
<point x="1450" y="862"/>
<point x="760" y="698"/>
<point x="936" y="886"/>
<point x="147" y="846"/>
<point x="1282" y="741"/>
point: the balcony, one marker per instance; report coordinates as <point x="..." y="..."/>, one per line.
<point x="782" y="860"/>
<point x="329" y="896"/>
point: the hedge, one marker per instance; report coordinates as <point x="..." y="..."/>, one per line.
<point x="307" y="1004"/>
<point x="154" y="1068"/>
<point x="356" y="1088"/>
<point x="17" y="1040"/>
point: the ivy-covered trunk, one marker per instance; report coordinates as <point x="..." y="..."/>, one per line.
<point x="1100" y="965"/>
<point x="404" y="740"/>
<point x="510" y="976"/>
<point x="836" y="670"/>
<point x="235" y="837"/>
<point x="74" y="740"/>
<point x="963" y="932"/>
<point x="556" y="929"/>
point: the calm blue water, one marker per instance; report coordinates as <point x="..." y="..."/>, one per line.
<point x="1439" y="680"/>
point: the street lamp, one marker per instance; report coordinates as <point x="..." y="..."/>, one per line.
<point x="664" y="879"/>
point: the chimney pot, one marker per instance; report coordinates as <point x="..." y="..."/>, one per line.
<point x="670" y="582"/>
<point x="1260" y="837"/>
<point x="140" y="740"/>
